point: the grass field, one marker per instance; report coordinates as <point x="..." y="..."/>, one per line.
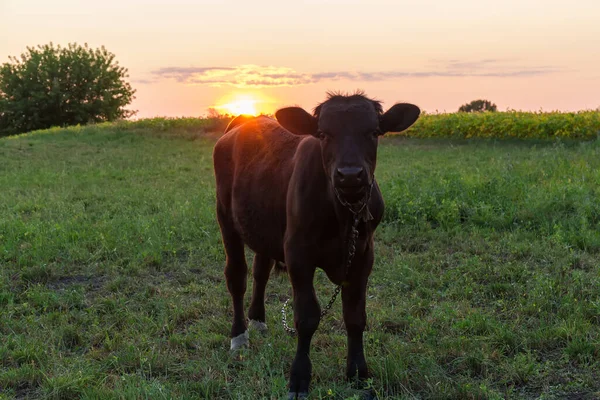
<point x="486" y="283"/>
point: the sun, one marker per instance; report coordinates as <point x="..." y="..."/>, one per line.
<point x="249" y="103"/>
<point x="240" y="106"/>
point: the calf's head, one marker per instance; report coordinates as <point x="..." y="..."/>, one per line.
<point x="349" y="128"/>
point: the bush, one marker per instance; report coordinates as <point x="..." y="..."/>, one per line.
<point x="478" y="106"/>
<point x="59" y="86"/>
<point x="511" y="124"/>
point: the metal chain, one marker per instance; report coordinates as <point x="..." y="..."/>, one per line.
<point x="352" y="207"/>
<point x="289" y="330"/>
<point x="338" y="289"/>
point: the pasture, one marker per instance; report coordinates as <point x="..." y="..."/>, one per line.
<point x="485" y="286"/>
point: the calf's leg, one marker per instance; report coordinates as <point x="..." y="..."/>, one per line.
<point x="261" y="269"/>
<point x="355" y="319"/>
<point x="236" y="271"/>
<point x="355" y="316"/>
<point x="307" y="315"/>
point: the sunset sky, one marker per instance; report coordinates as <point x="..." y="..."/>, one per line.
<point x="186" y="56"/>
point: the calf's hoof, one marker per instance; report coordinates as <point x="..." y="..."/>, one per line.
<point x="240" y="341"/>
<point x="369" y="394"/>
<point x="296" y="395"/>
<point x="261" y="327"/>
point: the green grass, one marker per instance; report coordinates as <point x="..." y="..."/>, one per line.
<point x="486" y="283"/>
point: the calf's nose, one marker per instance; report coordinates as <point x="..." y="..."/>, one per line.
<point x="350" y="176"/>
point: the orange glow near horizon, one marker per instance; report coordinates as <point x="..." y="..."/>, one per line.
<point x="183" y="59"/>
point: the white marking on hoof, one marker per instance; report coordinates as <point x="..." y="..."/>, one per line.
<point x="259" y="326"/>
<point x="240" y="341"/>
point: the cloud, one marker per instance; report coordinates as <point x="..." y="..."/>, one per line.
<point x="256" y="76"/>
<point x="240" y="76"/>
<point x="495" y="67"/>
<point x="144" y="81"/>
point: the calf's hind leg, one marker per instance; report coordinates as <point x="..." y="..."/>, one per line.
<point x="261" y="269"/>
<point x="236" y="271"/>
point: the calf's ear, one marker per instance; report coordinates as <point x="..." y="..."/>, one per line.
<point x="297" y="121"/>
<point x="398" y="118"/>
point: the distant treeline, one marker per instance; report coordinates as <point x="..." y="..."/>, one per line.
<point x="509" y="124"/>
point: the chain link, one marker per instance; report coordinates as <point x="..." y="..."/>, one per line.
<point x="289" y="330"/>
<point x="338" y="289"/>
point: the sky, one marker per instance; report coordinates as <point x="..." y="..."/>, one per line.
<point x="185" y="56"/>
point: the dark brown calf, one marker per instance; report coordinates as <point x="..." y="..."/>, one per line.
<point x="285" y="192"/>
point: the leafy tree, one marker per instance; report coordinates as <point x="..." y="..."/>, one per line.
<point x="58" y="86"/>
<point x="478" y="106"/>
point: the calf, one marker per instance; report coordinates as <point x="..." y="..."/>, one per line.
<point x="292" y="193"/>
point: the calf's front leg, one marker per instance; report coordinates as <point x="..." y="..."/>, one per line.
<point x="307" y="315"/>
<point x="355" y="316"/>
